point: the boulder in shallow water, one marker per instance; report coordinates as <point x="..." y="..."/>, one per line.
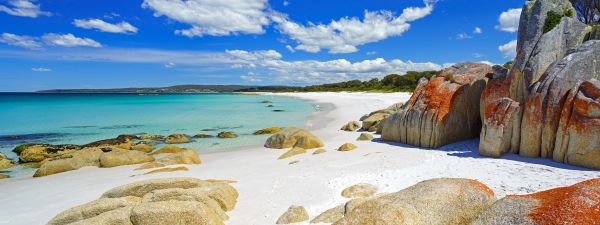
<point x="294" y="214"/>
<point x="436" y="201"/>
<point x="351" y="126"/>
<point x="203" y="136"/>
<point x="71" y="161"/>
<point x="293" y="137"/>
<point x="168" y="149"/>
<point x="173" y="201"/>
<point x="577" y="204"/>
<point x="5" y="162"/>
<point x="270" y="130"/>
<point x="142" y="147"/>
<point x="442" y="110"/>
<point x="227" y="134"/>
<point x="154" y="137"/>
<point x="123" y="141"/>
<point x="347" y="147"/>
<point x="177" y="139"/>
<point x="39" y="152"/>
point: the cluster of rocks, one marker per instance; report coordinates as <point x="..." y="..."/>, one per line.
<point x="546" y="105"/>
<point x="163" y="201"/>
<point x="458" y="201"/>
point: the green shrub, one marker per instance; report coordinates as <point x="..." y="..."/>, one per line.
<point x="552" y="19"/>
<point x="508" y="65"/>
<point x="19" y="149"/>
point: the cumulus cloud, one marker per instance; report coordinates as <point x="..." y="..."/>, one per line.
<point x="463" y="36"/>
<point x="346" y="34"/>
<point x="251" y="77"/>
<point x="371" y="53"/>
<point x="69" y="40"/>
<point x="213" y="17"/>
<point x="290" y="48"/>
<point x="509" y="20"/>
<point x="509" y="50"/>
<point x="477" y="30"/>
<point x="25" y="8"/>
<point x="101" y="25"/>
<point x="20" y="41"/>
<point x="41" y="69"/>
<point x="268" y="63"/>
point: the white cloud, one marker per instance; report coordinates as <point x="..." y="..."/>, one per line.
<point x="269" y="63"/>
<point x="122" y="27"/>
<point x="509" y="50"/>
<point x="371" y="53"/>
<point x="20" y="41"/>
<point x="286" y="3"/>
<point x="25" y="8"/>
<point x="290" y="48"/>
<point x="169" y="65"/>
<point x="463" y="36"/>
<point x="69" y="40"/>
<point x="40" y="69"/>
<point x="346" y="34"/>
<point x="250" y="77"/>
<point x="477" y="30"/>
<point x="214" y="17"/>
<point x="509" y="20"/>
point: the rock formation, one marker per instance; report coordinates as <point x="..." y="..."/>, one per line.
<point x="547" y="104"/>
<point x="437" y="201"/>
<point x="442" y="110"/>
<point x="174" y="201"/>
<point x="347" y="147"/>
<point x="187" y="156"/>
<point x="577" y="204"/>
<point x="226" y="134"/>
<point x="5" y="162"/>
<point x="293" y="137"/>
<point x="270" y="130"/>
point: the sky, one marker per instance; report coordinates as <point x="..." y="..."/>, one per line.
<point x="56" y="44"/>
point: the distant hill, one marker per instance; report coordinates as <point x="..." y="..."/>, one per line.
<point x="183" y="89"/>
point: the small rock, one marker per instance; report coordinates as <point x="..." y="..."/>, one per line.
<point x="227" y="134"/>
<point x="278" y="110"/>
<point x="163" y="170"/>
<point x="351" y="126"/>
<point x="292" y="152"/>
<point x="294" y="214"/>
<point x="267" y="101"/>
<point x="270" y="130"/>
<point x="319" y="151"/>
<point x="4" y="176"/>
<point x="347" y="147"/>
<point x="361" y="190"/>
<point x="365" y="137"/>
<point x="168" y="149"/>
<point x="177" y="139"/>
<point x="293" y="137"/>
<point x="5" y="162"/>
<point x="294" y="162"/>
<point x="330" y="216"/>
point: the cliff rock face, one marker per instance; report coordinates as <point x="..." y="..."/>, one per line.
<point x="442" y="110"/>
<point x="541" y="108"/>
<point x="544" y="105"/>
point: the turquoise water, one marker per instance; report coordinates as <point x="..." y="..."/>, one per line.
<point x="83" y="118"/>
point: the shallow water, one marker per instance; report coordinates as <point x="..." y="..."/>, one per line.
<point x="83" y="118"/>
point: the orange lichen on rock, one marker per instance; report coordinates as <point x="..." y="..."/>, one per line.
<point x="577" y="204"/>
<point x="480" y="186"/>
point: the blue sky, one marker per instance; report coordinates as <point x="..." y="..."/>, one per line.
<point x="47" y="44"/>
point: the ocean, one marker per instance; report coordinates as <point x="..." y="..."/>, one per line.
<point x="83" y="118"/>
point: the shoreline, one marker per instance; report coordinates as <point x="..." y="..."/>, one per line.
<point x="268" y="186"/>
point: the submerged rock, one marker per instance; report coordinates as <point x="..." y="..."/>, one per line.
<point x="162" y="201"/>
<point x="577" y="204"/>
<point x="436" y="201"/>
<point x="154" y="137"/>
<point x="203" y="136"/>
<point x="227" y="134"/>
<point x="270" y="130"/>
<point x="442" y="110"/>
<point x="177" y="139"/>
<point x="293" y="137"/>
<point x="294" y="214"/>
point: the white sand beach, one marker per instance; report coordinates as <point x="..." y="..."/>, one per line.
<point x="268" y="186"/>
